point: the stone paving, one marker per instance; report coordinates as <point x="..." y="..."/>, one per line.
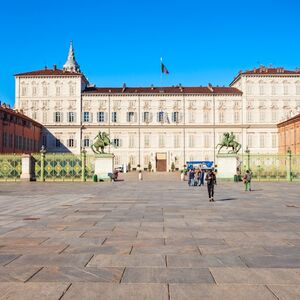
<point x="155" y="239"/>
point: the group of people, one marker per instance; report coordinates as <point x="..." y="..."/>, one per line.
<point x="196" y="177"/>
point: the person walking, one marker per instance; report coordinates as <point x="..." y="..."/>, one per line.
<point x="247" y="180"/>
<point x="202" y="175"/>
<point x="211" y="181"/>
<point x="191" y="177"/>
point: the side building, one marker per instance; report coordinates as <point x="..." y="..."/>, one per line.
<point x="19" y="133"/>
<point x="289" y="135"/>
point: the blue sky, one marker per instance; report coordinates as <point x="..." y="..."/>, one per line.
<point x="122" y="41"/>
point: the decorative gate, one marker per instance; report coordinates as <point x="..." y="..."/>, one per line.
<point x="58" y="167"/>
<point x="10" y="167"/>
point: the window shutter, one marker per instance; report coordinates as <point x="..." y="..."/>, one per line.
<point x="150" y="117"/>
<point x="54" y="117"/>
<point x="173" y="117"/>
<point x="135" y="117"/>
<point x="143" y="117"/>
<point x="75" y="143"/>
<point x="158" y="117"/>
<point x="61" y="117"/>
<point x="91" y="117"/>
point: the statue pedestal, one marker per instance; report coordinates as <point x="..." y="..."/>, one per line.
<point x="104" y="164"/>
<point x="227" y="166"/>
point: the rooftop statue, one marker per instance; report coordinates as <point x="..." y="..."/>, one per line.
<point x="229" y="141"/>
<point x="100" y="142"/>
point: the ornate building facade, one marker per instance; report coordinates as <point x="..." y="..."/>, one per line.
<point x="161" y="125"/>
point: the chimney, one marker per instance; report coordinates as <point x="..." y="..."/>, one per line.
<point x="54" y="67"/>
<point x="210" y="87"/>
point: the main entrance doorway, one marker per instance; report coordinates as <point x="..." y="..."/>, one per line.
<point x="161" y="162"/>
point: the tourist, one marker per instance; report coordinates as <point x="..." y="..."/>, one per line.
<point x="202" y="175"/>
<point x="247" y="180"/>
<point x="211" y="181"/>
<point x="191" y="177"/>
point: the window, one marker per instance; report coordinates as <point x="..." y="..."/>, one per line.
<point x="146" y="141"/>
<point x="45" y="117"/>
<point x="206" y="141"/>
<point x="175" y="117"/>
<point x="58" y="117"/>
<point x="221" y="117"/>
<point x="274" y="116"/>
<point x="86" y="141"/>
<point x="86" y="116"/>
<point x="249" y="116"/>
<point x="285" y="89"/>
<point x="262" y="115"/>
<point x="131" y="141"/>
<point x="130" y="116"/>
<point x="24" y="91"/>
<point x="71" y="117"/>
<point x="57" y="90"/>
<point x="71" y="142"/>
<point x="262" y="140"/>
<point x="117" y="142"/>
<point x="114" y="117"/>
<point x="161" y="141"/>
<point x="191" y="141"/>
<point x="72" y="90"/>
<point x="250" y="140"/>
<point x="298" y="89"/>
<point x="34" y="91"/>
<point x="146" y="116"/>
<point x="206" y="118"/>
<point x="176" y="141"/>
<point x="57" y="143"/>
<point x="274" y="140"/>
<point x="5" y="143"/>
<point x="273" y="89"/>
<point x="236" y="116"/>
<point x="44" y="140"/>
<point x="160" y="116"/>
<point x="100" y="116"/>
<point x="45" y="91"/>
<point x="249" y="88"/>
<point x="191" y="116"/>
<point x="261" y="89"/>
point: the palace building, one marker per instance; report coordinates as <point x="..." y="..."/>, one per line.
<point x="161" y="125"/>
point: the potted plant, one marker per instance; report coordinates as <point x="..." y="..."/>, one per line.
<point x="173" y="167"/>
<point x="149" y="166"/>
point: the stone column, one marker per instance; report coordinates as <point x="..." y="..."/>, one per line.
<point x="289" y="165"/>
<point x="26" y="168"/>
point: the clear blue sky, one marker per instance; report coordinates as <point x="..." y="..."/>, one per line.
<point x="122" y="41"/>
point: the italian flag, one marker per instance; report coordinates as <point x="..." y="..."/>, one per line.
<point x="164" y="69"/>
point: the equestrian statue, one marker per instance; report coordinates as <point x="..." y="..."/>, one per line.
<point x="100" y="142"/>
<point x="229" y="142"/>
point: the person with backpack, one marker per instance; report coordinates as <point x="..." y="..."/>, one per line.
<point x="247" y="180"/>
<point x="211" y="182"/>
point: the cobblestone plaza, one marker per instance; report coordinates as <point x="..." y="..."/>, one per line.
<point x="155" y="239"/>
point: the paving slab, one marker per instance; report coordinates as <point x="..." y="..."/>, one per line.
<point x="127" y="261"/>
<point x="32" y="291"/>
<point x="219" y="292"/>
<point x="106" y="291"/>
<point x="76" y="274"/>
<point x="286" y="292"/>
<point x="255" y="276"/>
<point x="167" y="275"/>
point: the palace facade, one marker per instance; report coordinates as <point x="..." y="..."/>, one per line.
<point x="161" y="125"/>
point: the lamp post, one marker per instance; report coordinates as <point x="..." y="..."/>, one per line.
<point x="43" y="153"/>
<point x="289" y="164"/>
<point x="248" y="157"/>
